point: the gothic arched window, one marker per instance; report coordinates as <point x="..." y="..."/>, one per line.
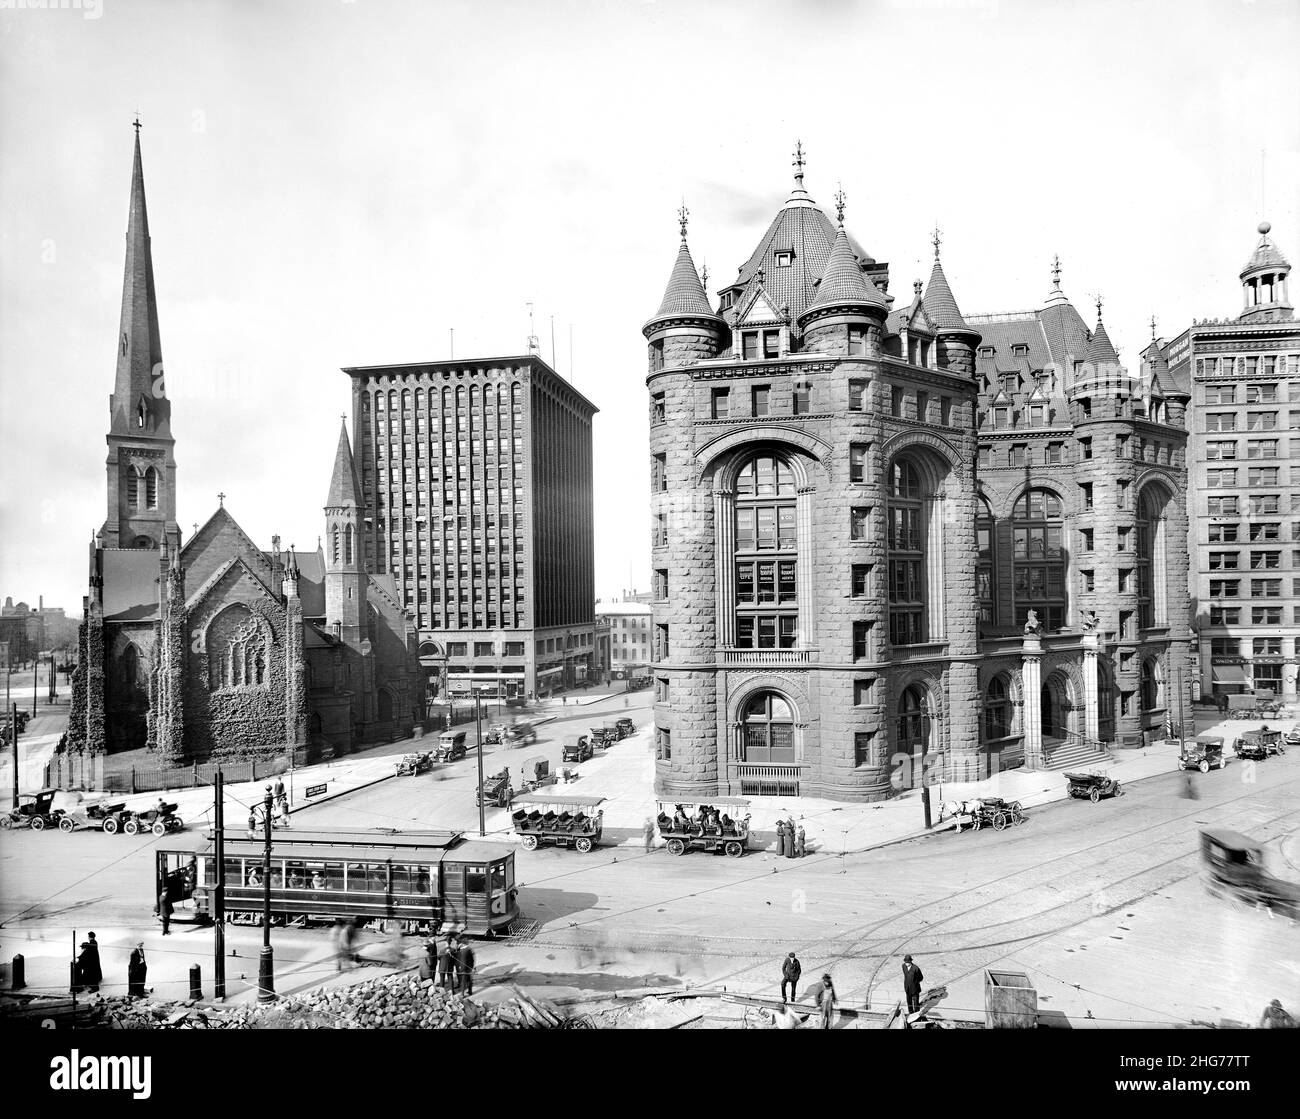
<point x="131" y="668"/>
<point x="906" y="555"/>
<point x="766" y="555"/>
<point x="347" y="545"/>
<point x="132" y="488"/>
<point x="151" y="488"/>
<point x="237" y="650"/>
<point x="1150" y="527"/>
<point x="1152" y="685"/>
<point x="997" y="709"/>
<point x="334" y="544"/>
<point x="767" y="730"/>
<point x="1037" y="529"/>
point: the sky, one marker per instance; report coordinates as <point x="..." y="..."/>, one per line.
<point x="346" y="183"/>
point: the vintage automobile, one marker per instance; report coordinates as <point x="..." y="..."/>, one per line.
<point x="535" y="774"/>
<point x="451" y="745"/>
<point x="1235" y="868"/>
<point x="159" y="820"/>
<point x="99" y="817"/>
<point x="604" y="736"/>
<point x="518" y="733"/>
<point x="412" y="764"/>
<point x="1093" y="786"/>
<point x="710" y="827"/>
<point x="562" y="821"/>
<point x="35" y="811"/>
<point x="496" y="790"/>
<point x="577" y="748"/>
<point x="1256" y="745"/>
<point x="1292" y="737"/>
<point x="625" y="727"/>
<point x="1205" y="752"/>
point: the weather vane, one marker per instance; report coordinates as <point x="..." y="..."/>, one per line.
<point x="1099" y="307"/>
<point x="1056" y="271"/>
<point x="683" y="216"/>
<point x="798" y="162"/>
<point x="1153" y="328"/>
<point x="839" y="205"/>
<point x="936" y="239"/>
<point x="704" y="276"/>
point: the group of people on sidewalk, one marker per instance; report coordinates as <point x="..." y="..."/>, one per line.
<point x="88" y="972"/>
<point x="790" y="839"/>
<point x="452" y="968"/>
<point x="823" y="993"/>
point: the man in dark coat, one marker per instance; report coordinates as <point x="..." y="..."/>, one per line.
<point x="447" y="965"/>
<point x="465" y="968"/>
<point x="791" y="969"/>
<point x="164" y="910"/>
<point x="136" y="972"/>
<point x="912" y="984"/>
<point x="92" y="974"/>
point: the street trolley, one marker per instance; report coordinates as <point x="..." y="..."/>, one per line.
<point x="720" y="826"/>
<point x="558" y="820"/>
<point x="419" y="880"/>
<point x="1235" y="869"/>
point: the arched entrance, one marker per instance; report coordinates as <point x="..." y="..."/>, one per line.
<point x="767" y="730"/>
<point x="1057" y="708"/>
<point x="911" y="738"/>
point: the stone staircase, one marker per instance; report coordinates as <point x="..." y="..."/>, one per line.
<point x="1075" y="753"/>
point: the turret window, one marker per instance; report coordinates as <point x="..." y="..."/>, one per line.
<point x="857" y="340"/>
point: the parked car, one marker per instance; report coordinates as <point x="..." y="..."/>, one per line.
<point x="111" y="818"/>
<point x="35" y="811"/>
<point x="626" y="728"/>
<point x="577" y="749"/>
<point x="451" y="745"/>
<point x="1205" y="752"/>
<point x="496" y="790"/>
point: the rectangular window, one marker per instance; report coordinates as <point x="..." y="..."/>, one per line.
<point x="896" y="401"/>
<point x="1267" y="503"/>
<point x="1088" y="580"/>
<point x="1225" y="588"/>
<point x="862" y="690"/>
<point x="862" y="746"/>
<point x="1225" y="615"/>
<point x="857" y="340"/>
<point x="1085" y="535"/>
<point x="1225" y="647"/>
<point x="859" y="579"/>
<point x="1121" y="499"/>
<point x="1085" y="492"/>
<point x="1261" y="421"/>
<point x="457" y="648"/>
<point x="1125" y="580"/>
<point x="1220" y="478"/>
<point x="662" y="689"/>
<point x="1221" y="450"/>
<point x="659" y="473"/>
<point x="663" y="744"/>
<point x="861" y="640"/>
<point x="661" y="641"/>
<point x="1017" y="454"/>
<point x="1262" y="448"/>
<point x="857" y="396"/>
<point x="859" y="522"/>
<point x="1266" y="588"/>
<point x="1222" y="506"/>
<point x="801" y="399"/>
<point x="858" y="462"/>
<point x="661" y="530"/>
<point x="1261" y="393"/>
<point x="749" y="345"/>
<point x="1266" y="616"/>
<point x="1220" y="394"/>
<point x="1262" y="476"/>
<point x="1055" y="454"/>
<point x="661" y="583"/>
<point x="1085" y="448"/>
<point x="721" y="404"/>
<point x="1267" y="646"/>
<point x="484" y="648"/>
<point x="656" y="417"/>
<point x="945" y="411"/>
<point x="1223" y="561"/>
<point x="1265" y="561"/>
<point x="759" y="395"/>
<point x="1221" y="421"/>
<point x="923" y="407"/>
<point x="771" y="343"/>
<point x="985" y="456"/>
<point x="1122" y="539"/>
<point x="514" y="648"/>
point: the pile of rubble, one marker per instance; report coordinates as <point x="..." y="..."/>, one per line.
<point x="394" y="1002"/>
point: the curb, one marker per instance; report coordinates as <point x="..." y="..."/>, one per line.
<point x="341" y="793"/>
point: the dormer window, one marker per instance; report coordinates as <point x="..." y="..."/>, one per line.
<point x="1010" y="383"/>
<point x="1020" y="349"/>
<point x="784" y="258"/>
<point x="728" y="300"/>
<point x="986" y="351"/>
<point x="760" y="343"/>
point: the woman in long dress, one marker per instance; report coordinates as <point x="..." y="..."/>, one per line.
<point x="136" y="972"/>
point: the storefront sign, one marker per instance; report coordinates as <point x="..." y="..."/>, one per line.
<point x="316" y="790"/>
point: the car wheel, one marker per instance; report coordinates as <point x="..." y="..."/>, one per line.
<point x="529" y="843"/>
<point x="159" y="828"/>
<point x="66" y="824"/>
<point x="1204" y="767"/>
<point x="110" y="825"/>
<point x="38" y="823"/>
<point x="1281" y="749"/>
<point x="177" y="824"/>
<point x="5" y="822"/>
<point x="1000" y="821"/>
<point x="676" y="847"/>
<point x="583" y="844"/>
<point x="1094" y="796"/>
<point x="131" y="827"/>
<point x="734" y="849"/>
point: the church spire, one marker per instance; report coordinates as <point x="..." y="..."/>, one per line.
<point x="139" y="404"/>
<point x="344" y="491"/>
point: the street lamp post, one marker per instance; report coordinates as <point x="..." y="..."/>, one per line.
<point x="478" y="719"/>
<point x="446" y="694"/>
<point x="266" y="964"/>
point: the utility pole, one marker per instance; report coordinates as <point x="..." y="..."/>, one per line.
<point x="478" y="719"/>
<point x="36" y="677"/>
<point x="13" y="729"/>
<point x="266" y="965"/>
<point x="219" y="893"/>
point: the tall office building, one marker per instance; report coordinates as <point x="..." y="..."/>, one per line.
<point x="476" y="481"/>
<point x="891" y="542"/>
<point x="1244" y="495"/>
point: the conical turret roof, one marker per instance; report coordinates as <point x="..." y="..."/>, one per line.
<point x="842" y="282"/>
<point x="344" y="491"/>
<point x="685" y="294"/>
<point x="939" y="302"/>
<point x="1100" y="349"/>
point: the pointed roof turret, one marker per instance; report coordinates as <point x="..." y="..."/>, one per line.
<point x="940" y="304"/>
<point x="344" y="491"/>
<point x="1101" y="352"/>
<point x="139" y="348"/>
<point x="842" y="283"/>
<point x="1264" y="282"/>
<point x="685" y="296"/>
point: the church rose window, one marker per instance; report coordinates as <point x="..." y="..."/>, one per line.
<point x="237" y="650"/>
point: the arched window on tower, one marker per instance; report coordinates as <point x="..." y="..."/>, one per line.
<point x="766" y="555"/>
<point x="1152" y="688"/>
<point x="132" y="488"/>
<point x="1037" y="529"/>
<point x="767" y="730"/>
<point x="130" y="669"/>
<point x="347" y="545"/>
<point x="151" y="488"/>
<point x="334" y="544"/>
<point x="907" y="622"/>
<point x="1152" y="600"/>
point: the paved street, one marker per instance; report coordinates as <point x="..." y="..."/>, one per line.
<point x="1073" y="898"/>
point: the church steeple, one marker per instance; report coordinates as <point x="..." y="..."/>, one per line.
<point x="345" y="578"/>
<point x="141" y="451"/>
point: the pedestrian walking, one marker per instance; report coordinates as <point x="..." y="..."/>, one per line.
<point x="282" y="801"/>
<point x="648" y="831"/>
<point x="1275" y="1018"/>
<point x="800" y="846"/>
<point x="165" y="911"/>
<point x="465" y="969"/>
<point x="136" y="972"/>
<point x="80" y="966"/>
<point x="826" y="1001"/>
<point x="912" y="984"/>
<point x="780" y="837"/>
<point x="252" y="822"/>
<point x="92" y="974"/>
<point x="791" y="969"/>
<point x="447" y="965"/>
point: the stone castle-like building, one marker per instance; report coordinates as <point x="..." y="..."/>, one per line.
<point x="212" y="646"/>
<point x="893" y="540"/>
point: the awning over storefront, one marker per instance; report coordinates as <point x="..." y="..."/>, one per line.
<point x="550" y="671"/>
<point x="483" y="676"/>
<point x="1230" y="674"/>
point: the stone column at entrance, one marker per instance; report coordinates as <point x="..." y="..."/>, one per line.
<point x="1031" y="684"/>
<point x="1091" y="698"/>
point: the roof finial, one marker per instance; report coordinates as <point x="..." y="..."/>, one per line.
<point x="798" y="163"/>
<point x="136" y="123"/>
<point x="1099" y="307"/>
<point x="221" y="500"/>
<point x="683" y="215"/>
<point x="839" y="205"/>
<point x="1153" y="328"/>
<point x="704" y="276"/>
<point x="1056" y="271"/>
<point x="937" y="239"/>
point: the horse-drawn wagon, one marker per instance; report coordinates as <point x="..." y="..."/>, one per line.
<point x="982" y="812"/>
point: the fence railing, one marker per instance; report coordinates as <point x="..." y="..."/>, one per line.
<point x="755" y="657"/>
<point x="88" y="772"/>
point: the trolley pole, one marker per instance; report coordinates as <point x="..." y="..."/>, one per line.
<point x="219" y="894"/>
<point x="266" y="965"/>
<point x="478" y="719"/>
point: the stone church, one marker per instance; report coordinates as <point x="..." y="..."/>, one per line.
<point x="211" y="645"/>
<point x="893" y="543"/>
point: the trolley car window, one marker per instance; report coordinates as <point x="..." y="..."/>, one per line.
<point x="299" y="879"/>
<point x="377" y="878"/>
<point x="325" y="876"/>
<point x="499" y="876"/>
<point x="234" y="872"/>
<point x="475" y="880"/>
<point x="356" y="877"/>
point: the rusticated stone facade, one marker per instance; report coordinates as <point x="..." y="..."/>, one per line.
<point x="848" y="603"/>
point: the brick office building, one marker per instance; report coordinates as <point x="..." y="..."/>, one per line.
<point x="1244" y="497"/>
<point x="842" y="601"/>
<point x="476" y="479"/>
